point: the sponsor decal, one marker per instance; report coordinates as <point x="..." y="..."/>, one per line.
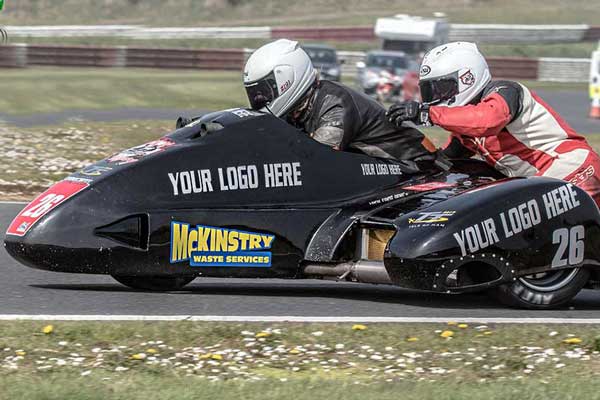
<point x="136" y="153"/>
<point x="43" y="204"/>
<point x="240" y="177"/>
<point x="425" y="187"/>
<point x="431" y="219"/>
<point x="78" y="179"/>
<point x="211" y="246"/>
<point x="583" y="176"/>
<point x="517" y="219"/>
<point x="467" y="79"/>
<point x="387" y="199"/>
<point x="425" y="70"/>
<point x="286" y="85"/>
<point x="95" y="170"/>
<point x="380" y="169"/>
<point x="243" y="113"/>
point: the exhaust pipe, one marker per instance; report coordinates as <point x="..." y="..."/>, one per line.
<point x="364" y="271"/>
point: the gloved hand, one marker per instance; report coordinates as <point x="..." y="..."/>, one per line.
<point x="409" y="111"/>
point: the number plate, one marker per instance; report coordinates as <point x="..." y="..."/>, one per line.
<point x="43" y="204"/>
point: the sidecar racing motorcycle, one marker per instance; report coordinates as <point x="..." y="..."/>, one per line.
<point x="242" y="194"/>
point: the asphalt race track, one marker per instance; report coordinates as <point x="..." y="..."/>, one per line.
<point x="28" y="291"/>
<point x="573" y="105"/>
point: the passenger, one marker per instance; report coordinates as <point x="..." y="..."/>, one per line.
<point x="279" y="78"/>
<point x="503" y="122"/>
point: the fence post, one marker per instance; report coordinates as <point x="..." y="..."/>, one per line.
<point x="120" y="60"/>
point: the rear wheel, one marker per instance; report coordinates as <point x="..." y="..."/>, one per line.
<point x="154" y="283"/>
<point x="544" y="290"/>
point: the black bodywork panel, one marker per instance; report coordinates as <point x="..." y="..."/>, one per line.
<point x="243" y="178"/>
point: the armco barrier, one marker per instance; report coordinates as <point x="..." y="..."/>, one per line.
<point x="513" y="68"/>
<point x="547" y="69"/>
<point x="500" y="33"/>
<point x="210" y="59"/>
<point x="76" y="56"/>
<point x="564" y="69"/>
<point x="341" y="34"/>
<point x="13" y="56"/>
<point x="91" y="56"/>
<point x="482" y="33"/>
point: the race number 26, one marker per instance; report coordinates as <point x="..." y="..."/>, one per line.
<point x="571" y="246"/>
<point x="45" y="204"/>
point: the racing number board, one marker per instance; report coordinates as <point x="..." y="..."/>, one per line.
<point x="43" y="204"/>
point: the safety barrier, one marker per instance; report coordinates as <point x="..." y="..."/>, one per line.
<point x="564" y="69"/>
<point x="488" y="33"/>
<point x="545" y="69"/>
<point x="500" y="33"/>
<point x="91" y="56"/>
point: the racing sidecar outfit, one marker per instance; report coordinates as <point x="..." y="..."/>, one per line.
<point x="514" y="130"/>
<point x="351" y="121"/>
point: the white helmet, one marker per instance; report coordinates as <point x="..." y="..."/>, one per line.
<point x="277" y="76"/>
<point x="453" y="74"/>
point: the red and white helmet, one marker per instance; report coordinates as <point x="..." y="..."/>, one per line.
<point x="453" y="74"/>
<point x="277" y="76"/>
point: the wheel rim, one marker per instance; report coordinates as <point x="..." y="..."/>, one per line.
<point x="549" y="281"/>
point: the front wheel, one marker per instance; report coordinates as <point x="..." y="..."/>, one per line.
<point x="541" y="291"/>
<point x="154" y="283"/>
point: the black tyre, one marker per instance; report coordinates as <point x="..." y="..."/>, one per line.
<point x="154" y="283"/>
<point x="542" y="291"/>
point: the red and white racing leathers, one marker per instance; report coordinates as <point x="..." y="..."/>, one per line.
<point x="520" y="135"/>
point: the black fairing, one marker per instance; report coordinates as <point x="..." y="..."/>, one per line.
<point x="424" y="255"/>
<point x="120" y="224"/>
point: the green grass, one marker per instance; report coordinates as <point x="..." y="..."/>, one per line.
<point x="151" y="386"/>
<point x="287" y="12"/>
<point x="574" y="50"/>
<point x="43" y="90"/>
<point x="182" y="360"/>
<point x="47" y="90"/>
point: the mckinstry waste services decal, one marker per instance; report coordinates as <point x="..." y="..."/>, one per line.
<point x="210" y="246"/>
<point x="240" y="177"/>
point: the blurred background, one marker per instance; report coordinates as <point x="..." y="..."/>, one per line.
<point x="82" y="79"/>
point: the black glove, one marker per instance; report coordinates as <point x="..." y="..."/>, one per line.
<point x="409" y="111"/>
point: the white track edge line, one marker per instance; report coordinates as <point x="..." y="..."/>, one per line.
<point x="13" y="202"/>
<point x="258" y="318"/>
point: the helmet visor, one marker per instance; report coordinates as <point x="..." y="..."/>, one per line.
<point x="262" y="92"/>
<point x="439" y="89"/>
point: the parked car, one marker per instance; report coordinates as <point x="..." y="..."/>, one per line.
<point x="325" y="59"/>
<point x="379" y="63"/>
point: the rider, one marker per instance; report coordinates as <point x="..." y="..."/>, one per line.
<point x="279" y="78"/>
<point x="501" y="121"/>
